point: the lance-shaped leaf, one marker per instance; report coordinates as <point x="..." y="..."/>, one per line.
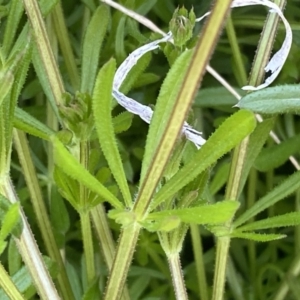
<point x="257" y="237"/>
<point x="274" y="100"/>
<point x="104" y="125"/>
<point x="227" y="136"/>
<point x="91" y="47"/>
<point x="289" y="219"/>
<point x="284" y="189"/>
<point x="206" y="214"/>
<point x="31" y="125"/>
<point x="74" y="169"/>
<point x="275" y="156"/>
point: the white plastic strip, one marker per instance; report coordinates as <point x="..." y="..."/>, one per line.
<point x="145" y="112"/>
<point x="277" y="61"/>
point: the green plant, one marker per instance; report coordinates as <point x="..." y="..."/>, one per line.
<point x="79" y="155"/>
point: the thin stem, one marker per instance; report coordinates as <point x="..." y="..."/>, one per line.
<point x="8" y="286"/>
<point x="105" y="238"/>
<point x="126" y="246"/>
<point x="198" y="256"/>
<point x="240" y="73"/>
<point x="65" y="45"/>
<point x="86" y="230"/>
<point x="29" y="249"/>
<point x="221" y="263"/>
<point x="232" y="190"/>
<point x="41" y="214"/>
<point x="87" y="239"/>
<point x="44" y="49"/>
<point x="251" y="193"/>
<point x="177" y="276"/>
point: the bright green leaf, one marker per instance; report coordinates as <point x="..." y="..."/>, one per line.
<point x="205" y="214"/>
<point x="10" y="220"/>
<point x="91" y="47"/>
<point x="31" y="125"/>
<point x="165" y="102"/>
<point x="104" y="126"/>
<point x="227" y="136"/>
<point x="289" y="219"/>
<point x="258" y="237"/>
<point x="75" y="170"/>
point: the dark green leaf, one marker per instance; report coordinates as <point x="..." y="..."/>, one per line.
<point x="287" y="187"/>
<point x="275" y="100"/>
<point x="289" y="219"/>
<point x="275" y="156"/>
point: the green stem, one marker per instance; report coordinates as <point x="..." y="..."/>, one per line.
<point x="65" y="45"/>
<point x="177" y="276"/>
<point x="198" y="255"/>
<point x="240" y="73"/>
<point x="221" y="262"/>
<point x="126" y="246"/>
<point x="44" y="49"/>
<point x="86" y="230"/>
<point x="40" y="210"/>
<point x="29" y="249"/>
<point x="107" y="244"/>
<point x="233" y="187"/>
<point x="251" y="193"/>
<point x="8" y="286"/>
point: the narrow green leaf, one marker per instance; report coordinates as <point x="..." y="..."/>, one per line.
<point x="75" y="170"/>
<point x="289" y="219"/>
<point x="10" y="220"/>
<point x="119" y="41"/>
<point x="43" y="80"/>
<point x="165" y="103"/>
<point x="287" y="187"/>
<point x="275" y="156"/>
<point x="68" y="187"/>
<point x="15" y="13"/>
<point x="91" y="47"/>
<point x="274" y="100"/>
<point x="122" y="122"/>
<point x="220" y="212"/>
<point x="104" y="126"/>
<point x="227" y="136"/>
<point x="256" y="142"/>
<point x="258" y="237"/>
<point x="6" y="83"/>
<point x="29" y="124"/>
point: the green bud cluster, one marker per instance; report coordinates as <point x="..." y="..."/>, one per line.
<point x="77" y="114"/>
<point x="182" y="25"/>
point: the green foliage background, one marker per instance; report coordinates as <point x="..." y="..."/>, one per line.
<point x="255" y="270"/>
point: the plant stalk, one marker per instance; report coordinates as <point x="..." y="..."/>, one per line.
<point x="177" y="276"/>
<point x="40" y="210"/>
<point x="29" y="249"/>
